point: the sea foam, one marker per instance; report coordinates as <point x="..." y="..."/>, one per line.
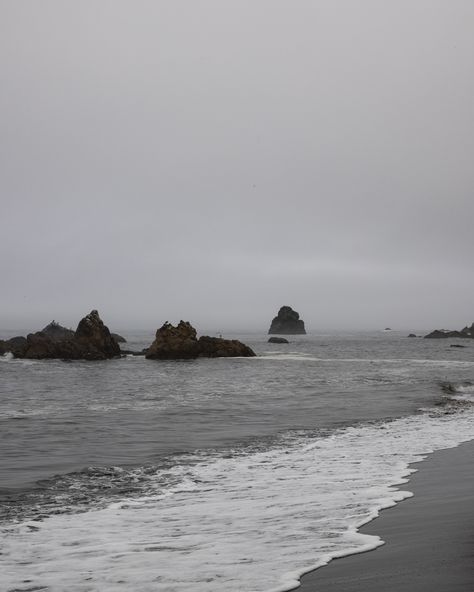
<point x="253" y="522"/>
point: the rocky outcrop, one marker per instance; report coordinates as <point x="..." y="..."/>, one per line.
<point x="174" y="342"/>
<point x="287" y="322"/>
<point x="278" y="340"/>
<point x="118" y="338"/>
<point x="57" y="333"/>
<point x="178" y="343"/>
<point x="412" y="335"/>
<point x="443" y="334"/>
<point x="91" y="341"/>
<point x="216" y="347"/>
<point x="15" y="345"/>
<point x="466" y="333"/>
<point x="94" y="340"/>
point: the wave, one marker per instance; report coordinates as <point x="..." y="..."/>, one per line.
<point x="254" y="520"/>
<point x="462" y="391"/>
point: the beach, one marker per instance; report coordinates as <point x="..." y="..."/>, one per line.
<point x="246" y="473"/>
<point x="429" y="538"/>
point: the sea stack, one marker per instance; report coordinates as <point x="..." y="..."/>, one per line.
<point x="287" y="322"/>
<point x="181" y="342"/>
<point x="90" y="341"/>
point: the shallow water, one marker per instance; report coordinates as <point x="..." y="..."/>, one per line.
<point x="235" y="474"/>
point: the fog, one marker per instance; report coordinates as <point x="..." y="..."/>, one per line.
<point x="215" y="160"/>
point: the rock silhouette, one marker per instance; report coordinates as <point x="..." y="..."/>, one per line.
<point x="466" y="333"/>
<point x="287" y="322"/>
<point x="91" y="341"/>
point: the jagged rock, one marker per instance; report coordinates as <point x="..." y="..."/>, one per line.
<point x="466" y="333"/>
<point x="90" y="341"/>
<point x="57" y="333"/>
<point x="94" y="338"/>
<point x="172" y="343"/>
<point x="445" y="333"/>
<point x="287" y="322"/>
<point x="40" y="346"/>
<point x="278" y="340"/>
<point x="118" y="338"/>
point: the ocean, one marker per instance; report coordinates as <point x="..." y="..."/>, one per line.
<point x="235" y="474"/>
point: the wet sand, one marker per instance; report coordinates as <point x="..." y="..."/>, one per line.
<point x="429" y="538"/>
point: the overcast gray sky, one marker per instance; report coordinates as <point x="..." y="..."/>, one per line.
<point x="213" y="160"/>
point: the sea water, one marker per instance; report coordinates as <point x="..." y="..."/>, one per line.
<point x="210" y="475"/>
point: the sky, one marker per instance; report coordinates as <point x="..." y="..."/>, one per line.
<point x="215" y="160"/>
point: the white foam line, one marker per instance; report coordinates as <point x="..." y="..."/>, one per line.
<point x="255" y="522"/>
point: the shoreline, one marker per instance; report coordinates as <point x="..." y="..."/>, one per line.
<point x="429" y="537"/>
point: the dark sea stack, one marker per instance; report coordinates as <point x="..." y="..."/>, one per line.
<point x="174" y="342"/>
<point x="90" y="341"/>
<point x="278" y="340"/>
<point x="94" y="338"/>
<point x="57" y="333"/>
<point x="118" y="338"/>
<point x="287" y="322"/>
<point x="181" y="343"/>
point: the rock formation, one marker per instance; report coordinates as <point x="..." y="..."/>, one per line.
<point x="15" y="345"/>
<point x="466" y="333"/>
<point x="287" y="322"/>
<point x="278" y="340"/>
<point x="57" y="333"/>
<point x="94" y="339"/>
<point x="174" y="343"/>
<point x="118" y="338"/>
<point x="91" y="341"/>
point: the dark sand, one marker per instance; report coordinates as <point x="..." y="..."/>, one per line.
<point x="429" y="538"/>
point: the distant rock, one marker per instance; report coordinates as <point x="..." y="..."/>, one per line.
<point x="456" y="345"/>
<point x="287" y="322"/>
<point x="278" y="340"/>
<point x="387" y="329"/>
<point x="178" y="343"/>
<point x="412" y="335"/>
<point x="468" y="331"/>
<point x="57" y="333"/>
<point x="445" y="333"/>
<point x="118" y="338"/>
